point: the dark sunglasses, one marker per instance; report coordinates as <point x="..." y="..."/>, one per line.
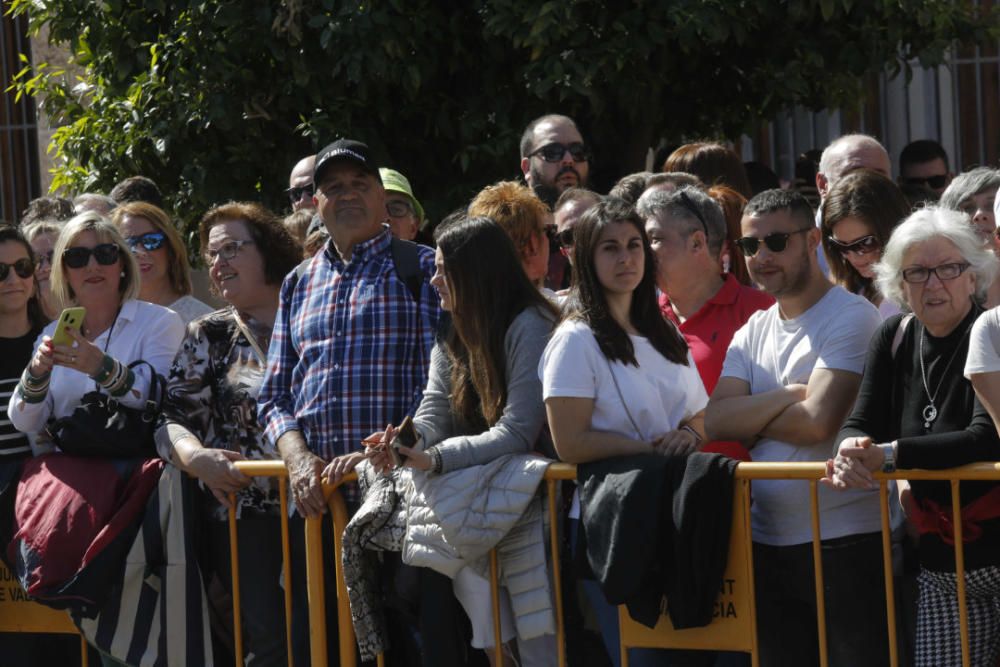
<point x="150" y="241"/>
<point x="862" y="246"/>
<point x="22" y="267"/>
<point x="776" y="242"/>
<point x="555" y="152"/>
<point x="78" y="257"/>
<point x="933" y="182"/>
<point x="295" y="193"/>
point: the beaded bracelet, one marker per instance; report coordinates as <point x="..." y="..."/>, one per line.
<point x="33" y="389"/>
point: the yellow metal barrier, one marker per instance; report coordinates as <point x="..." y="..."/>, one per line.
<point x="726" y="632"/>
<point x="18" y="613"/>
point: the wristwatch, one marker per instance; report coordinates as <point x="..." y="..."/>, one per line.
<point x="889" y="452"/>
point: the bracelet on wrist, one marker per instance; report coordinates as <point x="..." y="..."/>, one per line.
<point x="436" y="462"/>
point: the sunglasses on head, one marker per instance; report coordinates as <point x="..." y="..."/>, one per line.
<point x="862" y="246"/>
<point x="78" y="257"/>
<point x="775" y="242"/>
<point x="150" y="241"/>
<point x="295" y="193"/>
<point x="932" y="182"/>
<point x="554" y="152"/>
<point x="22" y="267"/>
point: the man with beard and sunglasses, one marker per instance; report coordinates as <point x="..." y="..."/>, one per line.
<point x="300" y="185"/>
<point x="554" y="157"/>
<point x="788" y="382"/>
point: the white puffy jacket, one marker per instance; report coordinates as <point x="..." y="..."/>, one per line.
<point x="454" y="519"/>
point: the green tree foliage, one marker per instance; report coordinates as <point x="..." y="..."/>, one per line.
<point x="216" y="99"/>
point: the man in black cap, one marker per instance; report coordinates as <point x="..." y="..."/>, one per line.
<point x="352" y="339"/>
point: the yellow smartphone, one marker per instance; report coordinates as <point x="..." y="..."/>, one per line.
<point x="70" y="318"/>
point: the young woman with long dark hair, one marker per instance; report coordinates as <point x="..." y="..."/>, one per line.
<point x="618" y="378"/>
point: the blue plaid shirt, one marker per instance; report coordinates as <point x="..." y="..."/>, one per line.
<point x="350" y="349"/>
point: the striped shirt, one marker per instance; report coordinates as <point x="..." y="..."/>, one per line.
<point x="350" y="349"/>
<point x="15" y="353"/>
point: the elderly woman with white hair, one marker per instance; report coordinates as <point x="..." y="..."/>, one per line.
<point x="974" y="193"/>
<point x="915" y="409"/>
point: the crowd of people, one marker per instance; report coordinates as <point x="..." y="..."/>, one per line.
<point x="691" y="318"/>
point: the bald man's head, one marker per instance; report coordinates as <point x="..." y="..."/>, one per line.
<point x="300" y="184"/>
<point x="850" y="153"/>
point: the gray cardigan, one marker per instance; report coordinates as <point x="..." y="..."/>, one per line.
<point x="523" y="417"/>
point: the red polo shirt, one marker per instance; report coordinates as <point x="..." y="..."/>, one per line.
<point x="709" y="332"/>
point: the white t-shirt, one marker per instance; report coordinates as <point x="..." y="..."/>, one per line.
<point x="770" y="352"/>
<point x="660" y="394"/>
<point x="984" y="344"/>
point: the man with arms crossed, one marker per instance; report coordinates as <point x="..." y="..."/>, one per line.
<point x="788" y="382"/>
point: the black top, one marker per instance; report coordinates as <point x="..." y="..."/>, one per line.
<point x="15" y="353"/>
<point x="890" y="407"/>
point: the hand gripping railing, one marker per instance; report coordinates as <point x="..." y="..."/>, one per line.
<point x="745" y="472"/>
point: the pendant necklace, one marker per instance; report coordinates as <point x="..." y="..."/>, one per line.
<point x="930" y="411"/>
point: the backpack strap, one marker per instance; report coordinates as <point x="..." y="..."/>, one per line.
<point x="897" y="340"/>
<point x="406" y="257"/>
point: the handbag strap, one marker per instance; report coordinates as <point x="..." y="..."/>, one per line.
<point x="157" y="388"/>
<point x="621" y="397"/>
<point x="250" y="337"/>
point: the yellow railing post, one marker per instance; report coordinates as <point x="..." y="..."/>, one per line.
<point x="556" y="573"/>
<point x="890" y="588"/>
<point x="234" y="565"/>
<point x="963" y="611"/>
<point x="818" y="571"/>
<point x="286" y="565"/>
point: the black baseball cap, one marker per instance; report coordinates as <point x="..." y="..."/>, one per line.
<point x="345" y="149"/>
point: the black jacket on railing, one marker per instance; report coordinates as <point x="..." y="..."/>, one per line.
<point x="655" y="526"/>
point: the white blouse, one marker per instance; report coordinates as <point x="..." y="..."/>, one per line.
<point x="141" y="331"/>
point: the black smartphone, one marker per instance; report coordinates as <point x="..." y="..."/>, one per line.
<point x="406" y="436"/>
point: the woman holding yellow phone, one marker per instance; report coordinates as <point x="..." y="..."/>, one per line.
<point x="93" y="270"/>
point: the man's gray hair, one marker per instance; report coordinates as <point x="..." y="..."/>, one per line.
<point x="968" y="184"/>
<point x="832" y="162"/>
<point x="923" y="225"/>
<point x="658" y="203"/>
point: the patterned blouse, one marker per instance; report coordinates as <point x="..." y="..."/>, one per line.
<point x="212" y="394"/>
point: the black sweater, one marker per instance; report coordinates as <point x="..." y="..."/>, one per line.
<point x="890" y="406"/>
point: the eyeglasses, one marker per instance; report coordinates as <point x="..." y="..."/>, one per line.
<point x="551" y="231"/>
<point x="295" y="193"/>
<point x="22" y="267"/>
<point x="226" y="251"/>
<point x="78" y="257"/>
<point x="933" y="182"/>
<point x="917" y="275"/>
<point x="555" y="152"/>
<point x="150" y="241"/>
<point x="776" y="242"/>
<point x="398" y="209"/>
<point x="862" y="246"/>
<point x="44" y="258"/>
<point x="686" y="202"/>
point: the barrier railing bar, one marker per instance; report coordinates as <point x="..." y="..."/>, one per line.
<point x="556" y="572"/>
<point x="84" y="650"/>
<point x="345" y="626"/>
<point x="314" y="593"/>
<point x="744" y="488"/>
<point x="559" y="471"/>
<point x="495" y="602"/>
<point x="234" y="566"/>
<point x="286" y="566"/>
<point x="963" y="612"/>
<point x="818" y="571"/>
<point x="890" y="588"/>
